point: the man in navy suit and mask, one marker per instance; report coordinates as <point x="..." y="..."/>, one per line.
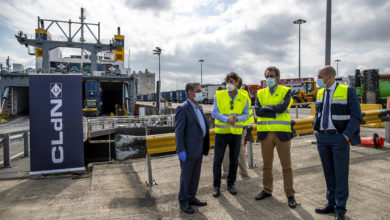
<point x="192" y="142"/>
<point x="336" y="124"/>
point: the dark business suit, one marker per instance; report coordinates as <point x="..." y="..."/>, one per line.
<point x="189" y="137"/>
<point x="334" y="149"/>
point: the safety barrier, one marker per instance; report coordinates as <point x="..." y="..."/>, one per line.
<point x="6" y="141"/>
<point x="364" y="108"/>
<point x="370" y="107"/>
<point x="163" y="143"/>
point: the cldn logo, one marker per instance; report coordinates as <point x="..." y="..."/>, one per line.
<point x="55" y="90"/>
<point x="57" y="149"/>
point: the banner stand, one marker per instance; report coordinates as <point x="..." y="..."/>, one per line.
<point x="56" y="128"/>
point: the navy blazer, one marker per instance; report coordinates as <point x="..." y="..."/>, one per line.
<point x="188" y="132"/>
<point x="352" y="126"/>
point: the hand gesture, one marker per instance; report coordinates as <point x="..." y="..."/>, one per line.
<point x="182" y="156"/>
<point x="232" y="120"/>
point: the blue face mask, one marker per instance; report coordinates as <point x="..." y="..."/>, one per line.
<point x="270" y="82"/>
<point x="198" y="97"/>
<point x="321" y="83"/>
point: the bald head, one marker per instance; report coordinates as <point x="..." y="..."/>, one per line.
<point x="329" y="71"/>
<point x="328" y="74"/>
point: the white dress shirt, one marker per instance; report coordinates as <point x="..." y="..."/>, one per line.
<point x="331" y="126"/>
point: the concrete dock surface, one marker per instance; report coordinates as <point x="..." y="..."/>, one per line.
<point x="117" y="190"/>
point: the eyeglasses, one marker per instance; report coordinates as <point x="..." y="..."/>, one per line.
<point x="231" y="105"/>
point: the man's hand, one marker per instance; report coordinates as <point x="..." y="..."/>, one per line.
<point x="182" y="156"/>
<point x="346" y="137"/>
<point x="232" y="120"/>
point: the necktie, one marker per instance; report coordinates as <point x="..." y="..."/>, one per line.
<point x="325" y="117"/>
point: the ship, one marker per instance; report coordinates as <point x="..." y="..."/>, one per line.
<point x="101" y="66"/>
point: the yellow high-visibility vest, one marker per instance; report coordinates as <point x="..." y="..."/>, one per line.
<point x="225" y="103"/>
<point x="340" y="97"/>
<point x="282" y="121"/>
<point x="251" y="118"/>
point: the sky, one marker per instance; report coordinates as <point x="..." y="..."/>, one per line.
<point x="243" y="36"/>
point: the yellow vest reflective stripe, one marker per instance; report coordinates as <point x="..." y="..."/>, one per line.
<point x="224" y="106"/>
<point x="251" y="118"/>
<point x="282" y="121"/>
<point x="340" y="97"/>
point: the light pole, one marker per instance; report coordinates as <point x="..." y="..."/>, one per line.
<point x="201" y="71"/>
<point x="328" y="35"/>
<point x="337" y="67"/>
<point x="299" y="22"/>
<point x="157" y="51"/>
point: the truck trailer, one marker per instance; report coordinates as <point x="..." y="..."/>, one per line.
<point x="93" y="99"/>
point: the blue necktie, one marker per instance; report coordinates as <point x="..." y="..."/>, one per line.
<point x="325" y="117"/>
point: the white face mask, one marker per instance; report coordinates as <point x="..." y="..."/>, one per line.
<point x="198" y="97"/>
<point x="230" y="87"/>
<point x="270" y="82"/>
<point x="321" y="83"/>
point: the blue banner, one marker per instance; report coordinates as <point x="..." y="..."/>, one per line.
<point x="74" y="67"/>
<point x="56" y="129"/>
<point x="87" y="67"/>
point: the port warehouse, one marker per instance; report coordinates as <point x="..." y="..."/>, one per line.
<point x="115" y="90"/>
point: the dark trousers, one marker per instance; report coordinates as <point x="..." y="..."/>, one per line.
<point x="221" y="141"/>
<point x="189" y="180"/>
<point x="334" y="154"/>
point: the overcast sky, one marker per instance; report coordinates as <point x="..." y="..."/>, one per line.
<point x="244" y="36"/>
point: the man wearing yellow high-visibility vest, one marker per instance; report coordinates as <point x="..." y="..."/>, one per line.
<point x="242" y="161"/>
<point x="274" y="129"/>
<point x="230" y="111"/>
<point x="336" y="123"/>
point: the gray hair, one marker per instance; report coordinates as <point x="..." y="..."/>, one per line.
<point x="191" y="86"/>
<point x="273" y="68"/>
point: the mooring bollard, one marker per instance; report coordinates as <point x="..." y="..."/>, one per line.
<point x="26" y="143"/>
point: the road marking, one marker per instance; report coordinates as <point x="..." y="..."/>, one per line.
<point x="13" y="157"/>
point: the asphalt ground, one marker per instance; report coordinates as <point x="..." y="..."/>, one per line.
<point x="117" y="190"/>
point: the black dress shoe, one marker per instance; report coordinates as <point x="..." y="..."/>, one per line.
<point x="232" y="190"/>
<point x="339" y="217"/>
<point x="187" y="209"/>
<point x="325" y="210"/>
<point x="216" y="191"/>
<point x="197" y="202"/>
<point x="291" y="202"/>
<point x="263" y="195"/>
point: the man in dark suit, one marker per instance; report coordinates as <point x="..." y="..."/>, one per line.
<point x="337" y="122"/>
<point x="192" y="140"/>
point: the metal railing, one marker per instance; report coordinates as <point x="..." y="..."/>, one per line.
<point x="102" y="123"/>
<point x="296" y="105"/>
<point x="6" y="141"/>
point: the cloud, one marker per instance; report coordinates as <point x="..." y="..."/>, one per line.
<point x="157" y="5"/>
<point x="243" y="36"/>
